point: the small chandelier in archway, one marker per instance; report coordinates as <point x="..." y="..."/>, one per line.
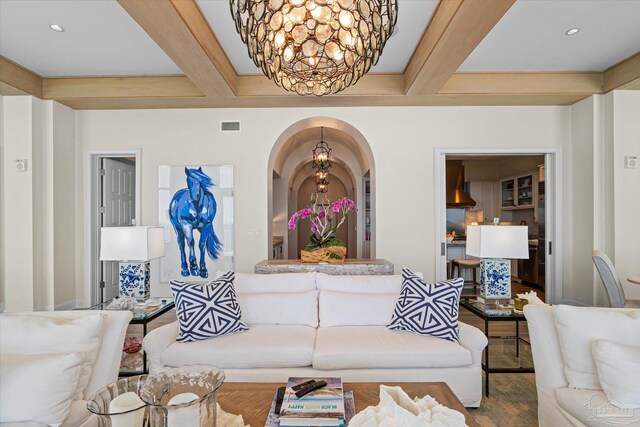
<point x="322" y="163"/>
<point x="322" y="153"/>
<point x="314" y="46"/>
<point x="322" y="181"/>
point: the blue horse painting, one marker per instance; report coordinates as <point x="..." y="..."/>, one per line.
<point x="194" y="208"/>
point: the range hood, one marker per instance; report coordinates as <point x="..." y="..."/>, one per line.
<point x="456" y="196"/>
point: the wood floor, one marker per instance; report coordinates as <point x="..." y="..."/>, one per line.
<point x="512" y="400"/>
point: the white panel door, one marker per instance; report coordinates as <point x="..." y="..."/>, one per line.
<point x="118" y="210"/>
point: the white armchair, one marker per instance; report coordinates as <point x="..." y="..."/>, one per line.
<point x="559" y="405"/>
<point x="106" y="366"/>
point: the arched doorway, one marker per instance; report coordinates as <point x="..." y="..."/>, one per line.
<point x="290" y="175"/>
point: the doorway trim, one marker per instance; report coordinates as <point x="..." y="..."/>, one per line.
<point x="553" y="209"/>
<point x="91" y="189"/>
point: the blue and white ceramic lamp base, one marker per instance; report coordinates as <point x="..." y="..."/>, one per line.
<point x="495" y="278"/>
<point x="134" y="280"/>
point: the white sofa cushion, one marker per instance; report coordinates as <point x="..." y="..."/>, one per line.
<point x="282" y="282"/>
<point x="39" y="334"/>
<point x="38" y="388"/>
<point x="362" y="347"/>
<point x="262" y="346"/>
<point x="384" y="284"/>
<point x="618" y="372"/>
<point x="579" y="327"/>
<point x="355" y="309"/>
<point x="275" y="308"/>
<point x="592" y="408"/>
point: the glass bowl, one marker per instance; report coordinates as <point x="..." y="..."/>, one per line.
<point x="169" y="396"/>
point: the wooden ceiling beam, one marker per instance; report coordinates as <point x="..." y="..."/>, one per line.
<point x="16" y="79"/>
<point x="372" y="87"/>
<point x="369" y="85"/>
<point x="523" y="83"/>
<point x="623" y="74"/>
<point x="324" y="101"/>
<point x="455" y="29"/>
<point x="119" y="87"/>
<point x="180" y="29"/>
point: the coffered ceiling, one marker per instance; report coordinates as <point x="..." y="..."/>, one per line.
<point x="100" y="39"/>
<point x="531" y="37"/>
<point x="413" y="17"/>
<point x="186" y="53"/>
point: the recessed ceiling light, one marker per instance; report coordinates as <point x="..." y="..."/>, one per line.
<point x="572" y="31"/>
<point x="56" y="27"/>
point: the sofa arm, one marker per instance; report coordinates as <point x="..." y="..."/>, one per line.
<point x="545" y="346"/>
<point x="473" y="340"/>
<point x="156" y="341"/>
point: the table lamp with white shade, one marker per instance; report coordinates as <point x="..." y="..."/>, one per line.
<point x="133" y="247"/>
<point x="496" y="245"/>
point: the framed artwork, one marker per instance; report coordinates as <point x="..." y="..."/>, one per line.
<point x="196" y="211"/>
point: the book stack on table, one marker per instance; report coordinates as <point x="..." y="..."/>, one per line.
<point x="328" y="406"/>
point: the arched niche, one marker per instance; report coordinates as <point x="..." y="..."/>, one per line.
<point x="291" y="153"/>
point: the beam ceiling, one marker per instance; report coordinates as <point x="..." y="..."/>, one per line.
<point x="179" y="27"/>
<point x="456" y="28"/>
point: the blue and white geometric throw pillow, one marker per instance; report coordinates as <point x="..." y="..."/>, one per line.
<point x="428" y="308"/>
<point x="207" y="310"/>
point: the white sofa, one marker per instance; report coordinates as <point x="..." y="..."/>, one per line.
<point x="308" y="324"/>
<point x="104" y="370"/>
<point x="560" y="404"/>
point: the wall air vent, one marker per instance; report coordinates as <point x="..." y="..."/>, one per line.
<point x="230" y="126"/>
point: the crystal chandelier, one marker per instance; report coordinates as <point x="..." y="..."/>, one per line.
<point x="314" y="46"/>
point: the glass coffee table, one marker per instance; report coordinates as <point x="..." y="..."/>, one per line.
<point x="142" y="316"/>
<point x="513" y="353"/>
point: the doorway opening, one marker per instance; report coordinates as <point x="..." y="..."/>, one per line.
<point x="291" y="182"/>
<point x="516" y="187"/>
<point x="112" y="199"/>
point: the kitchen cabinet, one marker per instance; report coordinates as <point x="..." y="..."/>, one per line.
<point x="484" y="193"/>
<point x="520" y="192"/>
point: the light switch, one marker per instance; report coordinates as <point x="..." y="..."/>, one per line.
<point x="253" y="233"/>
<point x="21" y="165"/>
<point x="630" y="162"/>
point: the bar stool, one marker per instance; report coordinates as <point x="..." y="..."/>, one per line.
<point x="463" y="264"/>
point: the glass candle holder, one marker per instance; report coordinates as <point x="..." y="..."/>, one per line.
<point x="183" y="397"/>
<point x="118" y="404"/>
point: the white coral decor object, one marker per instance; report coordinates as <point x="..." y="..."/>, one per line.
<point x="532" y="297"/>
<point x="397" y="409"/>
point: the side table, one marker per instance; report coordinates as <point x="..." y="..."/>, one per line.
<point x="491" y="314"/>
<point x="142" y="316"/>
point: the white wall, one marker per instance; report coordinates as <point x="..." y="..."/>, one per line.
<point x="63" y="205"/>
<point x="605" y="197"/>
<point x="594" y="135"/>
<point x="581" y="226"/>
<point x="404" y="156"/>
<point x="38" y="231"/>
<point x="17" y="215"/>
<point x="2" y="239"/>
<point x="626" y="187"/>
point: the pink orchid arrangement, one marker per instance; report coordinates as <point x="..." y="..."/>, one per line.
<point x="325" y="219"/>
